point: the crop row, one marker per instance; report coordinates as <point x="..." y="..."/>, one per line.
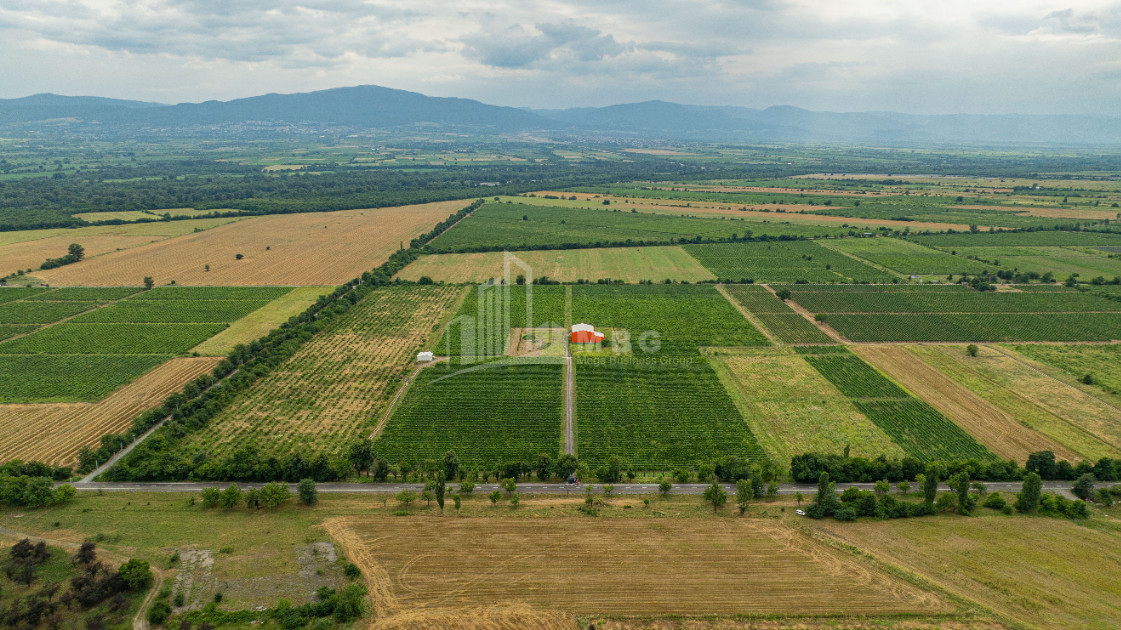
<point x="792" y="328"/>
<point x="85" y="294"/>
<point x="489" y="417"/>
<point x="262" y="294"/>
<point x="7" y="294"/>
<point x="657" y="415"/>
<point x="334" y="389"/>
<point x="68" y="378"/>
<point x="920" y="430"/>
<point x="483" y="330"/>
<point x="676" y="319"/>
<point x="979" y="327"/>
<point x="907" y="257"/>
<point x="787" y="261"/>
<point x="941" y="301"/>
<point x="11" y="330"/>
<point x="1011" y="239"/>
<point x="172" y="311"/>
<point x="70" y="338"/>
<point x="40" y="312"/>
<point x="756" y="299"/>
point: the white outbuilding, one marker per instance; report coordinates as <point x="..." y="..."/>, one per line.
<point x="425" y="357"/>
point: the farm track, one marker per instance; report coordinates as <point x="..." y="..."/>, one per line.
<point x="409" y="380"/>
<point x="823" y="327"/>
<point x="65" y="319"/>
<point x="749" y="317"/>
<point x="824" y="243"/>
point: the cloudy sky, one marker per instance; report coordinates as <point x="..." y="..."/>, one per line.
<point x="928" y="56"/>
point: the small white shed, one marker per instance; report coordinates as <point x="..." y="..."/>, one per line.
<point x="425" y="357"/>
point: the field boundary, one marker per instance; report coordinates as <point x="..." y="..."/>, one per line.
<point x="750" y="317"/>
<point x="824" y="243"/>
<point x="801" y="310"/>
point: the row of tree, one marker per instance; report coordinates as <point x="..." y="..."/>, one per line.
<point x="808" y="467"/>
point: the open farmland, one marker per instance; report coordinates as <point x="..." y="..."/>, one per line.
<point x="258" y="323"/>
<point x="657" y="414"/>
<point x="54" y="433"/>
<point x="1086" y="426"/>
<point x="29" y="248"/>
<point x="333" y="391"/>
<point x="615" y="567"/>
<point x="291" y="249"/>
<point x="525" y="226"/>
<point x="783" y="322"/>
<point x="629" y="264"/>
<point x="915" y="426"/>
<point x="677" y="319"/>
<point x="998" y="430"/>
<point x="478" y="330"/>
<point x="786" y="261"/>
<point x="1043" y="572"/>
<point x="956" y="313"/>
<point x="792" y="409"/>
<point x="907" y="258"/>
<point x="1101" y="363"/>
<point x="489" y="415"/>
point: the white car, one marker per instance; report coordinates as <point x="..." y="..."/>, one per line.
<point x="800" y="512"/>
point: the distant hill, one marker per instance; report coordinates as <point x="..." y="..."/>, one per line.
<point x="374" y="107"/>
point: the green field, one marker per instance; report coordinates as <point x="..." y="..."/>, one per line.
<point x="792" y="409"/>
<point x="657" y="415"/>
<point x="949" y="299"/>
<point x="172" y="311"/>
<point x="259" y="294"/>
<point x="915" y="426"/>
<point x="38" y="312"/>
<point x="524" y="226"/>
<point x="69" y="378"/>
<point x="490" y="416"/>
<point x="112" y="339"/>
<point x="8" y="294"/>
<point x="1041" y="238"/>
<point x="978" y="327"/>
<point x="86" y="294"/>
<point x="681" y="318"/>
<point x="1101" y="363"/>
<point x="782" y="321"/>
<point x="480" y="331"/>
<point x="783" y="261"/>
<point x="908" y="258"/>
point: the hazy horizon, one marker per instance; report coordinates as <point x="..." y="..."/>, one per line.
<point x="1041" y="57"/>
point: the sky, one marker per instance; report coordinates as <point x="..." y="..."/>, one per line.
<point x="923" y="57"/>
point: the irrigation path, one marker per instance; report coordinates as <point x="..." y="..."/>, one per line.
<point x="807" y="490"/>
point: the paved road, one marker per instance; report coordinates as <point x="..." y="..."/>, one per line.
<point x="807" y="490"/>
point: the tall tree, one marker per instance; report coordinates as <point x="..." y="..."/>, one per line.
<point x="716" y="495"/>
<point x="1027" y="501"/>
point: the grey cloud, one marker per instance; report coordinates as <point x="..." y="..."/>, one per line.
<point x="516" y="48"/>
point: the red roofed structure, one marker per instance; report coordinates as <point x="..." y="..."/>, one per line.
<point x="585" y="333"/>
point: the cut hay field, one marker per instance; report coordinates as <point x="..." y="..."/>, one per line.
<point x="792" y="409"/>
<point x="333" y="390"/>
<point x="615" y="567"/>
<point x="279" y="250"/>
<point x="29" y="248"/>
<point x="998" y="430"/>
<point x="1041" y="572"/>
<point x="54" y="433"/>
<point x="1102" y="363"/>
<point x="1068" y="414"/>
<point x="630" y="264"/>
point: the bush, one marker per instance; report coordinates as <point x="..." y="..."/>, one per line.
<point x="351" y="571"/>
<point x="308" y="493"/>
<point x="211" y="497"/>
<point x="136" y="574"/>
<point x="995" y="502"/>
<point x="845" y="513"/>
<point x="158" y="613"/>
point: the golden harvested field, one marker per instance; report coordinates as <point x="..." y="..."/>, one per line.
<point x="631" y="264"/>
<point x="1082" y="423"/>
<point x="618" y="566"/>
<point x="781" y="191"/>
<point x="258" y="323"/>
<point x="290" y="249"/>
<point x="1000" y="431"/>
<point x="29" y="248"/>
<point x="335" y="388"/>
<point x="792" y="409"/>
<point x="1043" y="572"/>
<point x="55" y="432"/>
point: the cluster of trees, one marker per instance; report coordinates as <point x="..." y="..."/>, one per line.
<point x="74" y="253"/>
<point x="192" y="408"/>
<point x="807" y="468"/>
<point x="31" y="491"/>
<point x="95" y="586"/>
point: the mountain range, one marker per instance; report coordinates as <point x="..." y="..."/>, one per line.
<point x="373" y="107"/>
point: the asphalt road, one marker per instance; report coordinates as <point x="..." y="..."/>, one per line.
<point x="807" y="490"/>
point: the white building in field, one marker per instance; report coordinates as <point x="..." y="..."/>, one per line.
<point x="425" y="357"/>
